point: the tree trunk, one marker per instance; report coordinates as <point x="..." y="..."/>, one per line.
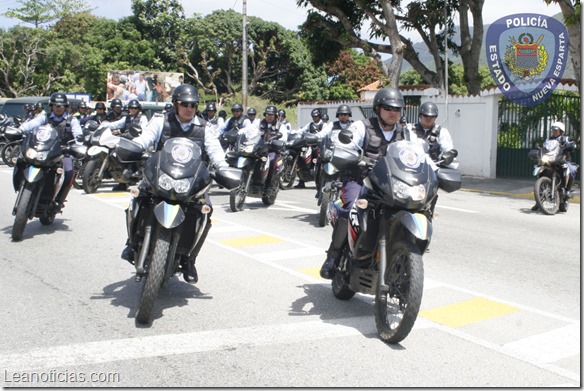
<point x="470" y="47"/>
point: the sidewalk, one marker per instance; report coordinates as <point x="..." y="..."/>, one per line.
<point x="512" y="187"/>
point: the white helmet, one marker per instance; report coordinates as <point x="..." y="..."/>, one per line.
<point x="559" y="125"/>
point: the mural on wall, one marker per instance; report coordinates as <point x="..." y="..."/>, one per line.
<point x="146" y="86"/>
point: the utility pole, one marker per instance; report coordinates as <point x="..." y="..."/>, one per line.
<point x="244" y="59"/>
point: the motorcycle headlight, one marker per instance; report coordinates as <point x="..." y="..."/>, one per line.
<point x="31" y="153"/>
<point x="179" y="185"/>
<point x="403" y="190"/>
<point x="545" y="158"/>
<point x="248" y="149"/>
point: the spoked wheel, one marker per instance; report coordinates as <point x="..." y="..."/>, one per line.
<point x="78" y="174"/>
<point x="547" y="198"/>
<point x="288" y="175"/>
<point x="153" y="280"/>
<point x="10" y="153"/>
<point x="397" y="306"/>
<point x="237" y="198"/>
<point x="22" y="211"/>
<point x="91" y="179"/>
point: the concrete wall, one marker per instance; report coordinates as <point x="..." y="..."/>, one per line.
<point x="472" y="122"/>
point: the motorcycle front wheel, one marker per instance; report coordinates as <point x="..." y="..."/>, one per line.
<point x="237" y="198"/>
<point x="288" y="175"/>
<point x="10" y="152"/>
<point x="322" y="212"/>
<point x="397" y="306"/>
<point x="547" y="198"/>
<point x="79" y="167"/>
<point x="22" y="211"/>
<point x="91" y="179"/>
<point x="153" y="280"/>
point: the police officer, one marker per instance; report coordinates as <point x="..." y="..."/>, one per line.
<point x="134" y="117"/>
<point x="115" y="113"/>
<point x="182" y="122"/>
<point x="373" y="135"/>
<point x="437" y="137"/>
<point x="252" y="116"/>
<point x="99" y="115"/>
<point x="68" y="128"/>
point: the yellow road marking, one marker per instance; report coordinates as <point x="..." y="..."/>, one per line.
<point x="467" y="312"/>
<point x="312" y="272"/>
<point x="112" y="194"/>
<point x="251" y="240"/>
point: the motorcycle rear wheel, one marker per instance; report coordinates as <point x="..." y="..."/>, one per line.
<point x="47" y="220"/>
<point x="78" y="175"/>
<point x="22" y="212"/>
<point x="546" y="197"/>
<point x="237" y="199"/>
<point x="10" y="152"/>
<point x="322" y="212"/>
<point x="153" y="280"/>
<point x="91" y="179"/>
<point x="397" y="309"/>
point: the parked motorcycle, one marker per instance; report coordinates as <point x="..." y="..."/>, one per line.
<point x="38" y="176"/>
<point x="551" y="168"/>
<point x="168" y="215"/>
<point x="79" y="164"/>
<point x="260" y="178"/>
<point x="389" y="231"/>
<point x="298" y="161"/>
<point x="103" y="163"/>
<point x="9" y="150"/>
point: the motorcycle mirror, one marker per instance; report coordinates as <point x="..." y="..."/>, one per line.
<point x="135" y="130"/>
<point x="311" y="139"/>
<point x="448" y="156"/>
<point x="345" y="136"/>
<point x="91" y="125"/>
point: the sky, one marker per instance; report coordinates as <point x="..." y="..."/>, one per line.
<point x="284" y="12"/>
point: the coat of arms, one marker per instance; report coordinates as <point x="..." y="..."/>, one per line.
<point x="526" y="58"/>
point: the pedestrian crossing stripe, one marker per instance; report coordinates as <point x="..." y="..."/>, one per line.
<point x="467" y="312"/>
<point x="251" y="240"/>
<point x="113" y="194"/>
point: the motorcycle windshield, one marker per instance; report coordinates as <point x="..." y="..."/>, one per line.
<point x="403" y="171"/>
<point x="44" y="138"/>
<point x="552" y="149"/>
<point x="180" y="158"/>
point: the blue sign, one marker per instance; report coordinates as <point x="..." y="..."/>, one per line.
<point x="527" y="55"/>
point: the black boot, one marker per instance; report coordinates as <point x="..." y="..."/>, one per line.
<point x="128" y="254"/>
<point x="190" y="274"/>
<point x="62" y="197"/>
<point x="120" y="187"/>
<point x="300" y="185"/>
<point x="339" y="237"/>
<point x="534" y="207"/>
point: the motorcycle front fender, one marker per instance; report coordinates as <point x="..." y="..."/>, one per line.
<point x="417" y="224"/>
<point x="169" y="216"/>
<point x="242" y="162"/>
<point x="33" y="174"/>
<point x="537" y="170"/>
<point x="95" y="150"/>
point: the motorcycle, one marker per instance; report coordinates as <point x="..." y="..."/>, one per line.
<point x="260" y="178"/>
<point x="102" y="162"/>
<point x="389" y="228"/>
<point x="298" y="161"/>
<point x="38" y="176"/>
<point x="9" y="150"/>
<point x="329" y="184"/>
<point x="79" y="164"/>
<point x="551" y="168"/>
<point x="168" y="214"/>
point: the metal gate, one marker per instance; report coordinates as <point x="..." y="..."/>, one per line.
<point x="520" y="128"/>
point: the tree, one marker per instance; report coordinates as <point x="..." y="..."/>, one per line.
<point x="571" y="11"/>
<point x="351" y="71"/>
<point x="39" y="12"/>
<point x="340" y="23"/>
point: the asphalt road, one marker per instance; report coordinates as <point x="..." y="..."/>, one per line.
<point x="501" y="305"/>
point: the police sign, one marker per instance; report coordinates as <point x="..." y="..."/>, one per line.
<point x="527" y="55"/>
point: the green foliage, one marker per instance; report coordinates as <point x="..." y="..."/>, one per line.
<point x="39" y="12"/>
<point x="410" y="78"/>
<point x="350" y="72"/>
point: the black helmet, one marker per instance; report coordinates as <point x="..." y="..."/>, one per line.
<point x="251" y="111"/>
<point x="211" y="107"/>
<point x="58" y="98"/>
<point x="115" y="103"/>
<point x="403" y="120"/>
<point x="388" y="97"/>
<point x="28" y="107"/>
<point x="325" y="117"/>
<point x="222" y="114"/>
<point x="315" y="113"/>
<point x="168" y="106"/>
<point x="134" y="104"/>
<point x="429" y="109"/>
<point x="271" y="110"/>
<point x="282" y="113"/>
<point x="237" y="107"/>
<point x="100" y="105"/>
<point x="344" y="109"/>
<point x="185" y="93"/>
<point x="82" y="105"/>
<point x="39" y="106"/>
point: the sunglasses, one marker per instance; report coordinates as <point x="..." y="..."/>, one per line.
<point x="391" y="108"/>
<point x="192" y="105"/>
<point x="133" y="108"/>
<point x="428" y="116"/>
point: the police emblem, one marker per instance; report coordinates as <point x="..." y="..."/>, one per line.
<point x="527" y="69"/>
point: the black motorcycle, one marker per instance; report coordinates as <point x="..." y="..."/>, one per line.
<point x="103" y="163"/>
<point x="168" y="214"/>
<point x="9" y="150"/>
<point x="389" y="230"/>
<point x="551" y="168"/>
<point x="329" y="185"/>
<point x="79" y="164"/>
<point x="260" y="178"/>
<point x="38" y="175"/>
<point x="298" y="161"/>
